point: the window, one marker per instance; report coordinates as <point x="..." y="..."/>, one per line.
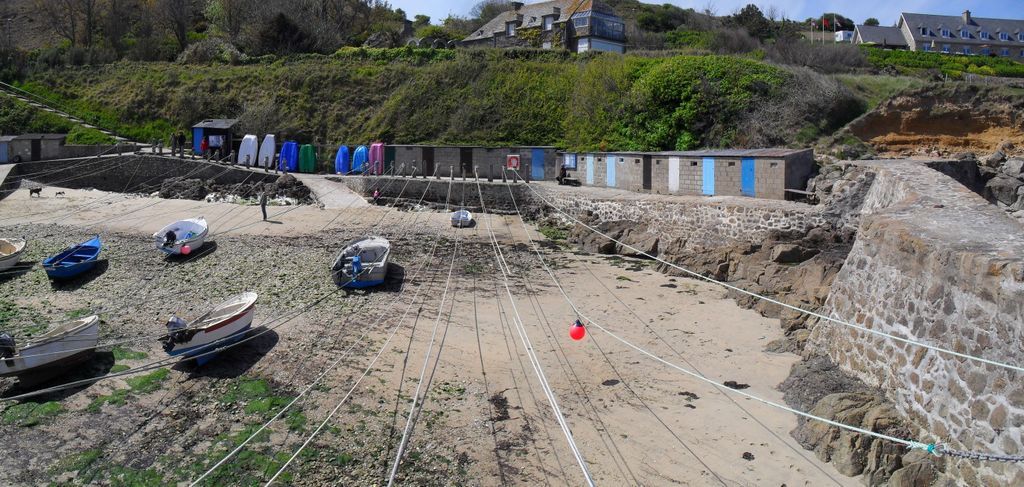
<point x="986" y="51"/>
<point x="924" y="31"/>
<point x="926" y="47"/>
<point x="581" y="21"/>
<point x="549" y="23"/>
<point x="1020" y="37"/>
<point x="510" y="29"/>
<point x="546" y="45"/>
<point x="1003" y="36"/>
<point x="583" y="45"/>
<point x="985" y="36"/>
<point x="967" y="50"/>
<point x="945" y="48"/>
<point x="965" y="34"/>
<point x="1005" y="52"/>
<point x="946" y="34"/>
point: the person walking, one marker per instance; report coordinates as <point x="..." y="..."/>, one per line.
<point x="263" y="204"/>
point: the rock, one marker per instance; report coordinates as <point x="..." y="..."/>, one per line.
<point x="1006" y="147"/>
<point x="995" y="159"/>
<point x="812" y="379"/>
<point x="1003" y="189"/>
<point x="1013" y="167"/>
<point x="748" y="456"/>
<point x="381" y="40"/>
<point x="915" y="475"/>
<point x="731" y="384"/>
<point x="791" y="254"/>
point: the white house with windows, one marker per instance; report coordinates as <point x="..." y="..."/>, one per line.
<point x="575" y="25"/>
<point x="965" y="35"/>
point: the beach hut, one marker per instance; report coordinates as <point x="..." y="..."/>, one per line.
<point x="376" y="161"/>
<point x="248" y="151"/>
<point x="289" y="160"/>
<point x="342" y="162"/>
<point x="307" y="159"/>
<point x="219" y="133"/>
<point x="5" y="144"/>
<point x="267" y="151"/>
<point x="359" y="159"/>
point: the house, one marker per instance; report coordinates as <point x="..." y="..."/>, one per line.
<point x="35" y="147"/>
<point x="878" y="36"/>
<point x="575" y="25"/>
<point x="950" y="34"/>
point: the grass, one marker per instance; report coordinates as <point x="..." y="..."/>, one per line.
<point x="78" y="313"/>
<point x="150" y="382"/>
<point x="553" y="233"/>
<point x="876" y="89"/>
<point x="119" y="368"/>
<point x="11" y="314"/>
<point x="118" y="398"/>
<point x="121" y="353"/>
<point x="29" y="414"/>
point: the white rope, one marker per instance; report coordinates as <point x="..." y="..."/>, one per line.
<point x="780" y="303"/>
<point x="528" y="346"/>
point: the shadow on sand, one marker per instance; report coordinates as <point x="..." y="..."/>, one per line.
<point x="94" y="367"/>
<point x="203" y="252"/>
<point x="235" y="361"/>
<point x="76" y="283"/>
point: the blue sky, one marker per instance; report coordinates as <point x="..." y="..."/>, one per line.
<point x="886" y="11"/>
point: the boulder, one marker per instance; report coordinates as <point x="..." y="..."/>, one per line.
<point x="791" y="254"/>
<point x="994" y="159"/>
<point x="381" y="40"/>
<point x="1013" y="167"/>
<point x="1003" y="189"/>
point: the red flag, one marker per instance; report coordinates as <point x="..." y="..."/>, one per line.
<point x="826" y="23"/>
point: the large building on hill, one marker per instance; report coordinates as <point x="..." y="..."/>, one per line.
<point x="949" y="34"/>
<point x="575" y="25"/>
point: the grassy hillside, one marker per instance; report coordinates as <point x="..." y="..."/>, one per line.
<point x="20" y="118"/>
<point x="585" y="102"/>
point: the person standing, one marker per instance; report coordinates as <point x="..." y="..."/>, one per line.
<point x="263" y="204"/>
<point x="204" y="147"/>
<point x="181" y="143"/>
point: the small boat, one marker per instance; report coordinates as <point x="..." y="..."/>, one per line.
<point x="225" y="324"/>
<point x="363" y="263"/>
<point x="10" y="252"/>
<point x="75" y="260"/>
<point x="51" y="353"/>
<point x="462" y="219"/>
<point x="189" y="233"/>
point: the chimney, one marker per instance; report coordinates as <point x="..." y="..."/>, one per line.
<point x="558" y="12"/>
<point x="517" y="6"/>
<point x="967" y="17"/>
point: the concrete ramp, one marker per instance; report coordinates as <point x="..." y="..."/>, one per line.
<point x="5" y="169"/>
<point x="333" y="195"/>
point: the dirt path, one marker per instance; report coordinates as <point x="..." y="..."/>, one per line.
<point x="484" y="420"/>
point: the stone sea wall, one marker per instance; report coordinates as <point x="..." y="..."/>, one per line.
<point x="936" y="263"/>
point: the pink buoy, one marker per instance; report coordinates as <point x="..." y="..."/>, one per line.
<point x="578" y="331"/>
<point x="185" y="250"/>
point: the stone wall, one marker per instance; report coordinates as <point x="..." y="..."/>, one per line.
<point x="434" y="192"/>
<point x="936" y="263"/>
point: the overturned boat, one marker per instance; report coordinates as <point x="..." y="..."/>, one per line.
<point x="363" y="263"/>
<point x="182" y="237"/>
<point x="462" y="219"/>
<point x="51" y="353"/>
<point x="74" y="260"/>
<point x="10" y="252"/>
<point x="225" y="324"/>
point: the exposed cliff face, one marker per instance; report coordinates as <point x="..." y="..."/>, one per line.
<point x="942" y="119"/>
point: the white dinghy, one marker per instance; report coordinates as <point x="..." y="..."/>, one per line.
<point x="225" y="324"/>
<point x="363" y="263"/>
<point x="10" y="252"/>
<point x="182" y="237"/>
<point x="51" y="353"/>
<point x="462" y="219"/>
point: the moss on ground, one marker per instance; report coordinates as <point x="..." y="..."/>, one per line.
<point x="29" y="414"/>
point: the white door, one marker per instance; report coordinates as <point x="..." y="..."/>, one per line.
<point x="673" y="175"/>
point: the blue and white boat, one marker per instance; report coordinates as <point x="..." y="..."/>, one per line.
<point x="227" y="323"/>
<point x="190" y="233"/>
<point x="75" y="260"/>
<point x="363" y="263"/>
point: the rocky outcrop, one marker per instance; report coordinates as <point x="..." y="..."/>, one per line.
<point x="285" y="186"/>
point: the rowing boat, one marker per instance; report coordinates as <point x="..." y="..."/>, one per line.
<point x="10" y="252"/>
<point x="225" y="324"/>
<point x="362" y="263"/>
<point x="190" y="233"/>
<point x="75" y="260"/>
<point x="51" y="352"/>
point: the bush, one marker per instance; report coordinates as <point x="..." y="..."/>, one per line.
<point x="211" y="50"/>
<point x="951" y="65"/>
<point x="690" y="38"/>
<point x="83" y="136"/>
<point x="827" y="58"/>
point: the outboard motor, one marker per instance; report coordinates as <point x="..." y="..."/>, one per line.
<point x="8" y="348"/>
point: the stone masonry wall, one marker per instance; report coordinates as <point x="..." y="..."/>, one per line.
<point x="936" y="263"/>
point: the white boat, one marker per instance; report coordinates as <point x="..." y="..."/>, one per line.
<point x="50" y="353"/>
<point x="268" y="151"/>
<point x="10" y="252"/>
<point x="225" y="324"/>
<point x="363" y="263"/>
<point x="172" y="238"/>
<point x="462" y="219"/>
<point x="248" y="151"/>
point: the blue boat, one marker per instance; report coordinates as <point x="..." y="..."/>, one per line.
<point x="341" y="160"/>
<point x="289" y="160"/>
<point x="360" y="158"/>
<point x="75" y="260"/>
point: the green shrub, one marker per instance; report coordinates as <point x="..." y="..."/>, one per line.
<point x="83" y="136"/>
<point x="948" y="64"/>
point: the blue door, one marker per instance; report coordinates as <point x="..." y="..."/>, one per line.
<point x="747" y="180"/>
<point x="610" y="176"/>
<point x="537" y="165"/>
<point x="709" y="176"/>
<point x="590" y="169"/>
<point x="197" y="139"/>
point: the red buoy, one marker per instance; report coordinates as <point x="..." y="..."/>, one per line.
<point x="577" y="331"/>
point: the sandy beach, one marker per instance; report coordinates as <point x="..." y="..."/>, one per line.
<point x="485" y="419"/>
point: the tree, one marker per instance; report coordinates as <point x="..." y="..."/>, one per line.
<point x="282" y="36"/>
<point x="871" y="21"/>
<point x="420" y="21"/>
<point x="751" y="19"/>
<point x="116" y="20"/>
<point x="230" y="16"/>
<point x="89" y="11"/>
<point x="487" y="10"/>
<point x="62" y="17"/>
<point x="177" y="16"/>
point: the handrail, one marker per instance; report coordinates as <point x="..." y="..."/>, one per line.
<point x="61" y="109"/>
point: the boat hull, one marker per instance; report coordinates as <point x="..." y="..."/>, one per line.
<point x="197" y="226"/>
<point x="54" y="355"/>
<point x="374" y="252"/>
<point x="10" y="260"/>
<point x="230" y="330"/>
<point x="74" y="261"/>
<point x="61" y="273"/>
